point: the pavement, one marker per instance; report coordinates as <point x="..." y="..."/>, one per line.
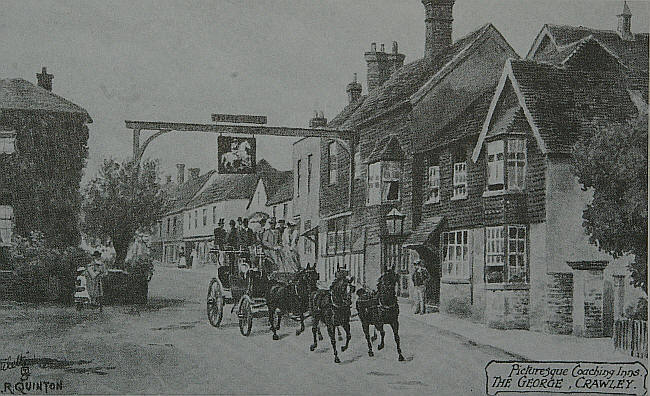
<point x="525" y="344"/>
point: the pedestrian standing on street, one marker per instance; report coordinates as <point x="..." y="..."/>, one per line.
<point x="193" y="256"/>
<point x="220" y="241"/>
<point x="420" y="279"/>
<point x="96" y="271"/>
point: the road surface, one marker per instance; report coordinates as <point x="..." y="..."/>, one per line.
<point x="168" y="347"/>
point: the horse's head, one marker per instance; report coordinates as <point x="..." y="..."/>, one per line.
<point x="307" y="279"/>
<point x="387" y="281"/>
<point x="343" y="287"/>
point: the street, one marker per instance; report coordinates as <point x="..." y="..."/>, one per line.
<point x="169" y="347"/>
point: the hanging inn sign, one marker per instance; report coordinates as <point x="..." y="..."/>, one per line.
<point x="236" y="154"/>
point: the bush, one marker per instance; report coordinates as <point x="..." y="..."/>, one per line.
<point x="638" y="312"/>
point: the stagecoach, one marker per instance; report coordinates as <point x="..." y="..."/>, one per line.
<point x="241" y="282"/>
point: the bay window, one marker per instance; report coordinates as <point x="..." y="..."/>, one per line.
<point x="383" y="182"/>
<point x="455" y="255"/>
<point x="505" y="254"/>
<point x="506" y="164"/>
<point x="6" y="224"/>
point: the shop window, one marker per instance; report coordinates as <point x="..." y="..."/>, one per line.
<point x="456" y="255"/>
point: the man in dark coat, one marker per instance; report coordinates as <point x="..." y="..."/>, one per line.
<point x="220" y="241"/>
<point x="420" y="279"/>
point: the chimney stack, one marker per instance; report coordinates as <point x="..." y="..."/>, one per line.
<point x="381" y="65"/>
<point x="319" y="120"/>
<point x="45" y="79"/>
<point x="354" y="90"/>
<point x="181" y="173"/>
<point x="625" y="23"/>
<point x="438" y="22"/>
<point x="194" y="173"/>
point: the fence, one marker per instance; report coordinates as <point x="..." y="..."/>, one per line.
<point x="631" y="336"/>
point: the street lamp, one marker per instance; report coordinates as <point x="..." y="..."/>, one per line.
<point x="395" y="222"/>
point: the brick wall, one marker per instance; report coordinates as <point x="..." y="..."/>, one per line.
<point x="593" y="303"/>
<point x="560" y="303"/>
<point x="507" y="309"/>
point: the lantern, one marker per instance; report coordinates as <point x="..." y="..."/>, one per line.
<point x="395" y="222"/>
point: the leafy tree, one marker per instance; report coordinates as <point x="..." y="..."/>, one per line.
<point x="613" y="161"/>
<point x="120" y="201"/>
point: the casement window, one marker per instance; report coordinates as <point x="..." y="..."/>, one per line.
<point x="331" y="237"/>
<point x="196" y="218"/>
<point x="505" y="254"/>
<point x="495" y="156"/>
<point x="309" y="164"/>
<point x="332" y="163"/>
<point x="506" y="164"/>
<point x="205" y="217"/>
<point x="7" y="142"/>
<point x="516" y="163"/>
<point x="285" y="211"/>
<point x="455" y="255"/>
<point x="6" y="224"/>
<point x="298" y="163"/>
<point x="175" y="223"/>
<point x="189" y="221"/>
<point x="214" y="215"/>
<point x="460" y="180"/>
<point x="383" y="182"/>
<point x="432" y="183"/>
<point x="339" y="236"/>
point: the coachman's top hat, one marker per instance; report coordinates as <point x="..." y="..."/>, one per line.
<point x="97" y="254"/>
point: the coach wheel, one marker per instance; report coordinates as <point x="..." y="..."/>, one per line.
<point x="245" y="317"/>
<point x="215" y="303"/>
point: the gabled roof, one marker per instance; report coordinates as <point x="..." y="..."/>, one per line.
<point x="386" y="149"/>
<point x="411" y="82"/>
<point x="632" y="53"/>
<point x="347" y="111"/>
<point x="283" y="191"/>
<point x="181" y="195"/>
<point x="558" y="102"/>
<point x="226" y="187"/>
<point x="19" y="94"/>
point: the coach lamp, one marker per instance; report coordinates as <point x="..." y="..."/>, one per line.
<point x="395" y="222"/>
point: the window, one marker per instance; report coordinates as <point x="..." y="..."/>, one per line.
<point x="306" y="241"/>
<point x="175" y="221"/>
<point x="205" y="217"/>
<point x="298" y="178"/>
<point x="196" y="218"/>
<point x="455" y="253"/>
<point x="309" y="173"/>
<point x="374" y="183"/>
<point x="339" y="236"/>
<point x="495" y="165"/>
<point x="357" y="162"/>
<point x="7" y="142"/>
<point x="189" y="220"/>
<point x="214" y="215"/>
<point x="502" y="248"/>
<point x="432" y="184"/>
<point x="6" y="224"/>
<point x="390" y="175"/>
<point x="460" y="180"/>
<point x="332" y="163"/>
<point x="169" y="222"/>
<point x="516" y="163"/>
<point x="160" y="227"/>
<point x="331" y="237"/>
<point x="284" y="211"/>
<point x="273" y="210"/>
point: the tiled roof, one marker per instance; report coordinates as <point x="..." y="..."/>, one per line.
<point x="409" y="79"/>
<point x="226" y="187"/>
<point x="633" y="53"/>
<point x="347" y="111"/>
<point x="561" y="101"/>
<point x="19" y="94"/>
<point x="386" y="149"/>
<point x="423" y="232"/>
<point x="182" y="194"/>
<point x="283" y="191"/>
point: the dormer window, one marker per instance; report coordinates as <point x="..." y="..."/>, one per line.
<point x="7" y="142"/>
<point x="506" y="164"/>
<point x="385" y="172"/>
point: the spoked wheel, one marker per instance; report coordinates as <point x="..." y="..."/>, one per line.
<point x="215" y="303"/>
<point x="245" y="317"/>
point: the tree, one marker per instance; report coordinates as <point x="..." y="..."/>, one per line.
<point x="613" y="161"/>
<point x="120" y="201"/>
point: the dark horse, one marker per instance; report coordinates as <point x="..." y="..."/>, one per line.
<point x="379" y="308"/>
<point x="291" y="298"/>
<point x="332" y="307"/>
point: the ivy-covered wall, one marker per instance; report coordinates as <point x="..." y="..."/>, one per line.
<point x="41" y="179"/>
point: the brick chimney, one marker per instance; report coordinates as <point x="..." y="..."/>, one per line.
<point x="354" y="90"/>
<point x="378" y="66"/>
<point x="45" y="79"/>
<point x="625" y="23"/>
<point x="319" y="120"/>
<point x="395" y="59"/>
<point x="438" y="20"/>
<point x="181" y="173"/>
<point x="194" y="173"/>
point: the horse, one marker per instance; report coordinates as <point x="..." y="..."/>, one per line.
<point x="291" y="298"/>
<point x="379" y="308"/>
<point x="332" y="307"/>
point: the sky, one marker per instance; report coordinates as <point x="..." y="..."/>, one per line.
<point x="162" y="60"/>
